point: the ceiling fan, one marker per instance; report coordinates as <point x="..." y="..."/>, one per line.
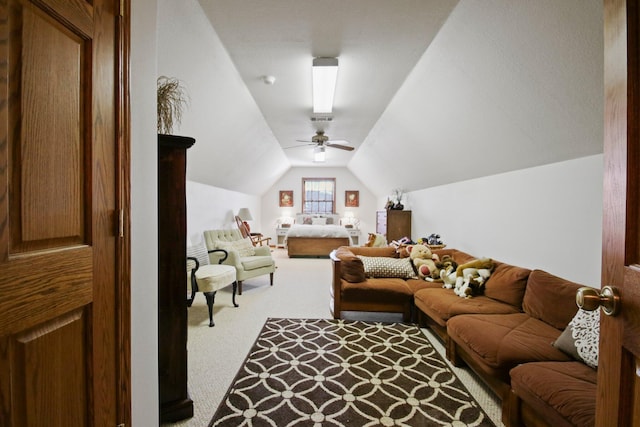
<point x="322" y="140"/>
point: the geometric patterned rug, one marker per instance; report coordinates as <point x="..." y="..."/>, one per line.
<point x="326" y="372"/>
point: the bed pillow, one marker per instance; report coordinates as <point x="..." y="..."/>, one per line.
<point x="329" y="220"/>
<point x="388" y="267"/>
<point x="319" y="221"/>
<point x="581" y="336"/>
<point x="307" y="220"/>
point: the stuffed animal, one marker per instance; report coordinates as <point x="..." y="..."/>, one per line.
<point x="422" y="259"/>
<point x="471" y="277"/>
<point x="402" y="251"/>
<point x="376" y="240"/>
<point x="445" y="267"/>
<point x="434" y="239"/>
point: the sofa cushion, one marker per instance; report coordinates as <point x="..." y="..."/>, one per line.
<point x="387" y="267"/>
<point x="507" y="283"/>
<point x="442" y="304"/>
<point x="417" y="284"/>
<point x="377" y="290"/>
<point x="581" y="337"/>
<point x="505" y="340"/>
<point x="563" y="393"/>
<point x="388" y="251"/>
<point x="545" y="291"/>
<point x="351" y="267"/>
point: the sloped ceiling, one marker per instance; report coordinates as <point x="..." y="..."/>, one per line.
<point x="429" y="91"/>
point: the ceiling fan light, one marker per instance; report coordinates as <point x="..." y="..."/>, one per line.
<point x="325" y="75"/>
<point x="319" y="155"/>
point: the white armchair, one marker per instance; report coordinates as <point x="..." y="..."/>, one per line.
<point x="249" y="261"/>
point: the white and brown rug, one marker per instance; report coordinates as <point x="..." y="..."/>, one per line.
<point x="317" y="372"/>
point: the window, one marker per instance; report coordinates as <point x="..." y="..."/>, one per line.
<point x="318" y="195"/>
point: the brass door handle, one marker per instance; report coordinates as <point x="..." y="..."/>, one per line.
<point x="590" y="299"/>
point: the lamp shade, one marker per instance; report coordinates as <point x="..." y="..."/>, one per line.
<point x="245" y="214"/>
<point x="325" y="75"/>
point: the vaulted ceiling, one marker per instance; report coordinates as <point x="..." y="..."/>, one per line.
<point x="429" y="91"/>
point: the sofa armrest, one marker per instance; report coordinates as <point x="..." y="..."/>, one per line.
<point x="336" y="283"/>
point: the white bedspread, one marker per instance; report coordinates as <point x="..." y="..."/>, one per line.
<point x="308" y="230"/>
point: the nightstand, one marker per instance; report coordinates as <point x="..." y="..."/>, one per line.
<point x="281" y="233"/>
<point x="355" y="236"/>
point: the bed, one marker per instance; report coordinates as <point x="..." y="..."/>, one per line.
<point x="315" y="236"/>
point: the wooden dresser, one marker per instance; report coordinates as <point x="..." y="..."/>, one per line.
<point x="175" y="403"/>
<point x="394" y="224"/>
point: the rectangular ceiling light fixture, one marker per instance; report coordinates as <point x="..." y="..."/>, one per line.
<point x="325" y="74"/>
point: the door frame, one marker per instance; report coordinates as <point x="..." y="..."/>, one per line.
<point x="123" y="211"/>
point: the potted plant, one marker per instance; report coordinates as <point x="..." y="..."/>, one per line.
<point x="399" y="193"/>
<point x="172" y="99"/>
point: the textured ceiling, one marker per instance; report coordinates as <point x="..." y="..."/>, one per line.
<point x="377" y="43"/>
<point x="429" y="91"/>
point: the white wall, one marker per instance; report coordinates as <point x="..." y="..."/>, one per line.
<point x="144" y="223"/>
<point x="210" y="208"/>
<point x="222" y="115"/>
<point x="547" y="217"/>
<point x="292" y="180"/>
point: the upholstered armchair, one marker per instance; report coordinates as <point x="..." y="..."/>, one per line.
<point x="248" y="260"/>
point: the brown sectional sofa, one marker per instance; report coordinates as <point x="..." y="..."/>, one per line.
<point x="504" y="335"/>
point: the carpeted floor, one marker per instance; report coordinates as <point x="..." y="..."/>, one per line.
<point x="301" y="290"/>
<point x="325" y="372"/>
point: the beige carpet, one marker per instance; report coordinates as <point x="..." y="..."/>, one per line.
<point x="300" y="290"/>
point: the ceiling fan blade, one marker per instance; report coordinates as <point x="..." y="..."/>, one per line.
<point x="300" y="145"/>
<point x="342" y="147"/>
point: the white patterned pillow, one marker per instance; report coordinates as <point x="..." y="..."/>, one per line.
<point x="199" y="252"/>
<point x="387" y="267"/>
<point x="244" y="247"/>
<point x="319" y="221"/>
<point x="581" y="336"/>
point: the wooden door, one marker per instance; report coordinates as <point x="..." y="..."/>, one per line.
<point x="63" y="266"/>
<point x="618" y="401"/>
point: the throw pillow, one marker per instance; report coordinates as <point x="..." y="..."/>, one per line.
<point x="329" y="220"/>
<point x="581" y="336"/>
<point x="199" y="252"/>
<point x="307" y="220"/>
<point x="319" y="221"/>
<point x="388" y="267"/>
<point x="244" y="247"/>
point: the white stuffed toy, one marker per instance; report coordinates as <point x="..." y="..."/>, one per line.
<point x="468" y="279"/>
<point x="471" y="281"/>
<point x="448" y="276"/>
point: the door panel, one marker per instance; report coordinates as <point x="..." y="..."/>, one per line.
<point x="619" y="366"/>
<point x="59" y="278"/>
<point x="37" y="359"/>
<point x="49" y="154"/>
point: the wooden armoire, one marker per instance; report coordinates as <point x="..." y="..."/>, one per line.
<point x="394" y="224"/>
<point x="175" y="403"/>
